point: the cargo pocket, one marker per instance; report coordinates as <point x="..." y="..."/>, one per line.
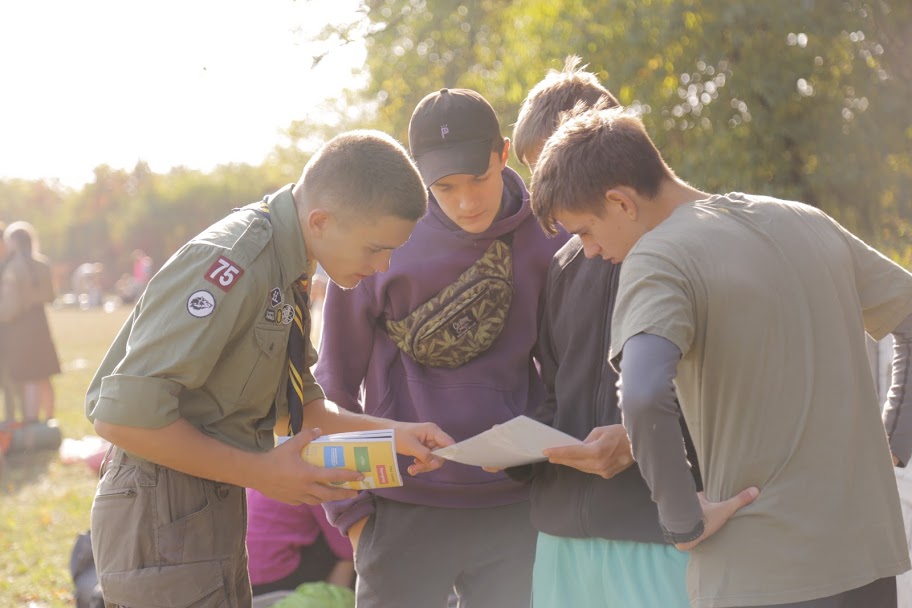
<point x="191" y="537"/>
<point x="196" y="585"/>
<point x="124" y="500"/>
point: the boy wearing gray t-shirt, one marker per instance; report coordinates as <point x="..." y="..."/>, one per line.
<point x="755" y="310"/>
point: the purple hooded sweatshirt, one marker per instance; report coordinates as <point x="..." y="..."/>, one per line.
<point x="501" y="383"/>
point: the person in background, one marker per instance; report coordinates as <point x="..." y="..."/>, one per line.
<point x="86" y="281"/>
<point x="6" y="385"/>
<point x="142" y="268"/>
<point x="25" y="289"/>
<point x="139" y="277"/>
<point x="754" y="311"/>
<point x="288" y="545"/>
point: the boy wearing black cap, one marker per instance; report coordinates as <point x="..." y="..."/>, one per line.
<point x="447" y="335"/>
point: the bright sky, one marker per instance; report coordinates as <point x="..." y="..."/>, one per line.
<point x="172" y="82"/>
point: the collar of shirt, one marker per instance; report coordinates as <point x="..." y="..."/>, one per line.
<point x="289" y="241"/>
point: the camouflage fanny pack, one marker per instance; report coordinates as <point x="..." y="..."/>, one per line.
<point x="464" y="319"/>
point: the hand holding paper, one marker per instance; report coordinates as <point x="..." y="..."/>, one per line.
<point x="515" y="442"/>
<point x="605" y="452"/>
<point x="417" y="439"/>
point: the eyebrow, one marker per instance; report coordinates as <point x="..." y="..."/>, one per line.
<point x="382" y="246"/>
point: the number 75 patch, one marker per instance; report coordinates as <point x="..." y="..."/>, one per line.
<point x="224" y="273"/>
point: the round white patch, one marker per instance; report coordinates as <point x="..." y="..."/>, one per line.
<point x="200" y="303"/>
<point x="287" y="314"/>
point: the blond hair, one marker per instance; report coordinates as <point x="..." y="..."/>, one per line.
<point x="558" y="92"/>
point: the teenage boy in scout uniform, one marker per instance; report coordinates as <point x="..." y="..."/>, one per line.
<point x="198" y="379"/>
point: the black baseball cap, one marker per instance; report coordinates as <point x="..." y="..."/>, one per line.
<point x="452" y="131"/>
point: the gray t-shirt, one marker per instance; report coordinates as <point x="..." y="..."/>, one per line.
<point x="768" y="302"/>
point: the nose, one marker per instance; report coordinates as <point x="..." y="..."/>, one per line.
<point x="467" y="202"/>
<point x="590" y="249"/>
<point x="381" y="262"/>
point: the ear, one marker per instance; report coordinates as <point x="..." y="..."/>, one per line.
<point x="505" y="155"/>
<point x="318" y="220"/>
<point x="623" y="199"/>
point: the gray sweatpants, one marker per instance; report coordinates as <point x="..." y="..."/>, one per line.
<point x="161" y="537"/>
<point x="414" y="556"/>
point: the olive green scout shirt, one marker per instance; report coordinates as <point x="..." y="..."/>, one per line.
<point x="207" y="340"/>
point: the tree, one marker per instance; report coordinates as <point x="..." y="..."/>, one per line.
<point x="803" y="100"/>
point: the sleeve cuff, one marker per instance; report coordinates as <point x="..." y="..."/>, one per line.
<point x="312" y="390"/>
<point x="139" y="401"/>
<point x="900" y="441"/>
<point x="686" y="537"/>
<point x="343" y="514"/>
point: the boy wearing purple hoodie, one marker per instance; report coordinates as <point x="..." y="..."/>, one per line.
<point x="409" y="344"/>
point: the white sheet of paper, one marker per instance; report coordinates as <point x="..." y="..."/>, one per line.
<point x="518" y="441"/>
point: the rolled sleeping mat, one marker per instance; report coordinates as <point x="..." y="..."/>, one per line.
<point x="32" y="436"/>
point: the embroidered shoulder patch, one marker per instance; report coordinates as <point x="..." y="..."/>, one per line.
<point x="200" y="303"/>
<point x="224" y="273"/>
<point x="275" y="297"/>
<point x="288" y="314"/>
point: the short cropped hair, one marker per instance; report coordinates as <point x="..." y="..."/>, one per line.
<point x="558" y="92"/>
<point x="593" y="151"/>
<point x="367" y="173"/>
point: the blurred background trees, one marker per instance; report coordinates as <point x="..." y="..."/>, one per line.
<point x="802" y="99"/>
<point x="805" y="99"/>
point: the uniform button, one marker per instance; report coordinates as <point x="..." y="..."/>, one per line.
<point x="223" y="491"/>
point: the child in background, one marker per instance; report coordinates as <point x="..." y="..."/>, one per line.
<point x="288" y="545"/>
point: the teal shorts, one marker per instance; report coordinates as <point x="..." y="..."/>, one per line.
<point x="599" y="573"/>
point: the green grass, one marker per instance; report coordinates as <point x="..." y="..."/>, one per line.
<point x="44" y="503"/>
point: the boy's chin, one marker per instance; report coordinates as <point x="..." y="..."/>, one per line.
<point x="347" y="282"/>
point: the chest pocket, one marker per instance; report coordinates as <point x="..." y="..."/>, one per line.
<point x="263" y="381"/>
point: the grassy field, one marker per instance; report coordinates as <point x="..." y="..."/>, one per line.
<point x="44" y="503"/>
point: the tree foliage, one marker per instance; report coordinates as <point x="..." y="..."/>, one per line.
<point x="120" y="211"/>
<point x="804" y="99"/>
<point x="801" y="99"/>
